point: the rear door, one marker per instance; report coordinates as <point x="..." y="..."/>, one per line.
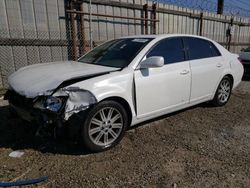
<point x="206" y="65"/>
<point x="167" y="87"/>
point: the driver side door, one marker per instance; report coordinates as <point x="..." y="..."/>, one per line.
<point x="163" y="89"/>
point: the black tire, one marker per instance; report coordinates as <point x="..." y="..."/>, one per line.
<point x="95" y="113"/>
<point x="217" y="100"/>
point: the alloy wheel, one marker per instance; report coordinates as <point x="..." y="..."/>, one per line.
<point x="224" y="91"/>
<point x="105" y="126"/>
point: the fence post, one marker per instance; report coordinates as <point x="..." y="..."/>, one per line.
<point x="229" y="34"/>
<point x="82" y="32"/>
<point x="220" y="6"/>
<point x="90" y="25"/>
<point x="145" y="8"/>
<point x="201" y="23"/>
<point x="1" y="78"/>
<point x="73" y="30"/>
<point x="154" y="17"/>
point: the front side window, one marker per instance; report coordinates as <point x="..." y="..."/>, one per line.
<point x="116" y="53"/>
<point x="171" y="49"/>
<point x="200" y="48"/>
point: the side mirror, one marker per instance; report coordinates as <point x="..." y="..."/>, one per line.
<point x="152" y="62"/>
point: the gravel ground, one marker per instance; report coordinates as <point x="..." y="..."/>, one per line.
<point x="202" y="146"/>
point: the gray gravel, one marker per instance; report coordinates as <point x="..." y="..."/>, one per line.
<point x="202" y="146"/>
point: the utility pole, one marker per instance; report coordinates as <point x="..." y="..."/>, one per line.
<point x="220" y="6"/>
<point x="90" y="25"/>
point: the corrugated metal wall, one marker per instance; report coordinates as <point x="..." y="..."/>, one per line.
<point x="30" y="19"/>
<point x="106" y="28"/>
<point x="45" y="20"/>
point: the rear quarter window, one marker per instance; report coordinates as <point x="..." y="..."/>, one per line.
<point x="200" y="48"/>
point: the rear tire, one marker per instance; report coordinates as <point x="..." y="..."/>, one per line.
<point x="104" y="126"/>
<point x="223" y="92"/>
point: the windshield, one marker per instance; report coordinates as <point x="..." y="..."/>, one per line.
<point x="116" y="53"/>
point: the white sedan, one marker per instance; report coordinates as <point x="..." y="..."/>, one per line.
<point x="123" y="82"/>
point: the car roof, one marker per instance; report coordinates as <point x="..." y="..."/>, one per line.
<point x="162" y="36"/>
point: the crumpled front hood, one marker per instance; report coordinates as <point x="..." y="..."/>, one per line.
<point x="37" y="79"/>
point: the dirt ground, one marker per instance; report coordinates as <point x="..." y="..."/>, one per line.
<point x="202" y="146"/>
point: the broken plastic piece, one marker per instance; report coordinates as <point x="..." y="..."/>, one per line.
<point x="78" y="100"/>
<point x="16" y="154"/>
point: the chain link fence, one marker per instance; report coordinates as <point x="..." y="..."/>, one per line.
<point x="17" y="51"/>
<point x="40" y="31"/>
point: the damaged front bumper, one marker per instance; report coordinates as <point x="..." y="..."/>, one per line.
<point x="46" y="111"/>
<point x="43" y="119"/>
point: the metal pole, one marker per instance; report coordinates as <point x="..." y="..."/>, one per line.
<point x="201" y="23"/>
<point x="1" y="77"/>
<point x="142" y="21"/>
<point x="90" y="24"/>
<point x="111" y="16"/>
<point x="82" y="34"/>
<point x="145" y="7"/>
<point x="220" y="6"/>
<point x="73" y="31"/>
<point x="230" y="33"/>
<point x="154" y="17"/>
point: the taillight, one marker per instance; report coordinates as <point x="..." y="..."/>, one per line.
<point x="240" y="60"/>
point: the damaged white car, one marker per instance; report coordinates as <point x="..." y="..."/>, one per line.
<point x="124" y="82"/>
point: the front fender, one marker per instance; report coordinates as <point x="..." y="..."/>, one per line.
<point x="116" y="84"/>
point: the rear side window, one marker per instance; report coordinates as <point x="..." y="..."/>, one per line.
<point x="199" y="48"/>
<point x="171" y="49"/>
<point x="214" y="50"/>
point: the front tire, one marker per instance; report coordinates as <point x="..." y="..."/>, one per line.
<point x="223" y="92"/>
<point x="104" y="126"/>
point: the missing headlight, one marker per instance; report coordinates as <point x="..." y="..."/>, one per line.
<point x="51" y="103"/>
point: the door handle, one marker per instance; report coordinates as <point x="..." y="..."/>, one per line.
<point x="219" y="65"/>
<point x="184" y="72"/>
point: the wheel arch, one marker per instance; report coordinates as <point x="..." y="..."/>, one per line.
<point x="230" y="77"/>
<point x="124" y="103"/>
<point x="228" y="74"/>
<point x="216" y="101"/>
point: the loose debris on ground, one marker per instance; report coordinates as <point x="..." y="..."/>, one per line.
<point x="202" y="146"/>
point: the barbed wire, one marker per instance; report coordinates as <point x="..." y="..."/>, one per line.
<point x="205" y="5"/>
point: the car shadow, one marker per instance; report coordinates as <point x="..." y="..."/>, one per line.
<point x="246" y="78"/>
<point x="202" y="105"/>
<point x="18" y="134"/>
